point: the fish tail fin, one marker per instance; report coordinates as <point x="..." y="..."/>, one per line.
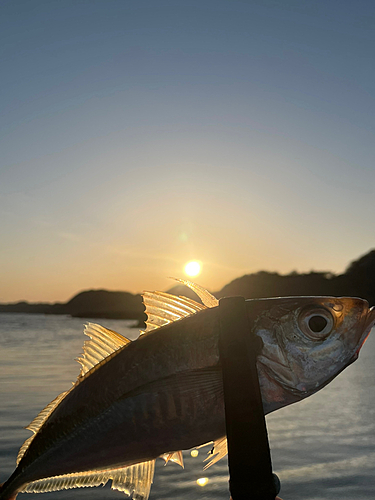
<point x="4" y="496"/>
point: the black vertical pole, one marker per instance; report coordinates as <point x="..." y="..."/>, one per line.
<point x="250" y="466"/>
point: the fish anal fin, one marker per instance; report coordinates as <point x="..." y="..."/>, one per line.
<point x="163" y="308"/>
<point x="175" y="456"/>
<point x="219" y="450"/>
<point x="102" y="343"/>
<point x="133" y="480"/>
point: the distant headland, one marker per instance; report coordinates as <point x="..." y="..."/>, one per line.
<point x="357" y="281"/>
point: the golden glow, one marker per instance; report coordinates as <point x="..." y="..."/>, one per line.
<point x="193" y="268"/>
<point x="202" y="481"/>
<point x="194" y="453"/>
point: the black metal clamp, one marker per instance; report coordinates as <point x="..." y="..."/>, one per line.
<point x="249" y="459"/>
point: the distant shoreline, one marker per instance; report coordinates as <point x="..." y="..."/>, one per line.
<point x="357" y="281"/>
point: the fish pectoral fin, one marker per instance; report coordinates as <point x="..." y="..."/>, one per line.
<point x="173" y="457"/>
<point x="134" y="480"/>
<point x="190" y="386"/>
<point x="163" y="308"/>
<point x="102" y="343"/>
<point x="219" y="450"/>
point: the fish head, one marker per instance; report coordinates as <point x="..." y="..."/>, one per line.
<point x="307" y="341"/>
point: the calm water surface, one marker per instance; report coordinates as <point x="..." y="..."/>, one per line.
<point x="322" y="448"/>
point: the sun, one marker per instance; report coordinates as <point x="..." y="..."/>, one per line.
<point x="193" y="268"/>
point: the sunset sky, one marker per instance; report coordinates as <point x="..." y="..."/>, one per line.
<point x="139" y="135"/>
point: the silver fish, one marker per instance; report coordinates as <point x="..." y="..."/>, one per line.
<point x="136" y="401"/>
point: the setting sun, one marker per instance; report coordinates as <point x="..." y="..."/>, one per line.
<point x="192" y="268"/>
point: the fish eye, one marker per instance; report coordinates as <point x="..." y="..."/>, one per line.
<point x="316" y="323"/>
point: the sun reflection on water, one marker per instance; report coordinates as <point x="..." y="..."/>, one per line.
<point x="202" y="481"/>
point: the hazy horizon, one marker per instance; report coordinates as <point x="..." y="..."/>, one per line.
<point x="137" y="136"/>
<point x="172" y="283"/>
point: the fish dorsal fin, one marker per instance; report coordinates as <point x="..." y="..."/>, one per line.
<point x="173" y="457"/>
<point x="219" y="450"/>
<point x="102" y="343"/>
<point x="38" y="421"/>
<point x="206" y="297"/>
<point x="163" y="308"/>
<point x="134" y="480"/>
<point x="23" y="448"/>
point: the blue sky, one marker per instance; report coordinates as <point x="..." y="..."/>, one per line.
<point x="137" y="135"/>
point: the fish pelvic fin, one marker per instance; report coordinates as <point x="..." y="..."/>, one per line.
<point x="219" y="450"/>
<point x="173" y="457"/>
<point x="134" y="480"/>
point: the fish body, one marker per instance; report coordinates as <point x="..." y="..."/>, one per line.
<point x="132" y="398"/>
<point x="163" y="392"/>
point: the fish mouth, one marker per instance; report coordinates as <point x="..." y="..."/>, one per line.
<point x="370" y="321"/>
<point x="368" y="325"/>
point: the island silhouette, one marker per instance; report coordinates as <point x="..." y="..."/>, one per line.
<point x="357" y="281"/>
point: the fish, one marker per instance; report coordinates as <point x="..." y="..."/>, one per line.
<point x="135" y="401"/>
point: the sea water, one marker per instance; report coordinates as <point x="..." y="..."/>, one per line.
<point x="322" y="447"/>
